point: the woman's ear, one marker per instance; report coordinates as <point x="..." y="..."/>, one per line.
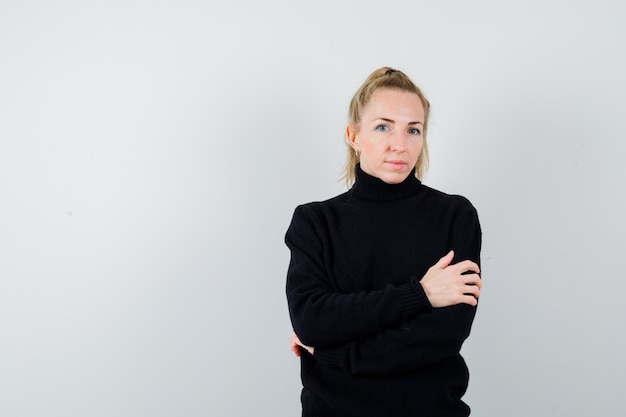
<point x="351" y="136"/>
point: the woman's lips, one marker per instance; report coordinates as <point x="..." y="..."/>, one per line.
<point x="396" y="164"/>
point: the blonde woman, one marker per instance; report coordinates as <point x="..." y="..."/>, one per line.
<point x="383" y="281"/>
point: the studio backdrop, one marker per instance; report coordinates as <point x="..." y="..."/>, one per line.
<point x="152" y="154"/>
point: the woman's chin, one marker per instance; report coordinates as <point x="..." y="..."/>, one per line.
<point x="395" y="177"/>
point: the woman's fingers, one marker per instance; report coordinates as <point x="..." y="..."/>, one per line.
<point x="466" y="266"/>
<point x="472" y="279"/>
<point x="445" y="261"/>
<point x="472" y="290"/>
<point x="294" y="343"/>
<point x="471" y="300"/>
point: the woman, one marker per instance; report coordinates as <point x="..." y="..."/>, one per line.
<point x="383" y="280"/>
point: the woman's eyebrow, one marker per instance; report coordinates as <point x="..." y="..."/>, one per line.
<point x="393" y="121"/>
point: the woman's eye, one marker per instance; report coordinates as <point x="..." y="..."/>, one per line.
<point x="414" y="131"/>
<point x="382" y="128"/>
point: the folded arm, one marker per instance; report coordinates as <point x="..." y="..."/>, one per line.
<point x="430" y="336"/>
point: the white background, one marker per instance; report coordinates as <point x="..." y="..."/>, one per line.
<point x="152" y="153"/>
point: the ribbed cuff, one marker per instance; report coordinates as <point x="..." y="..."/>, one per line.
<point x="414" y="299"/>
<point x="328" y="356"/>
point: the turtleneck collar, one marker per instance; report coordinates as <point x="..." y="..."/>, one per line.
<point x="373" y="188"/>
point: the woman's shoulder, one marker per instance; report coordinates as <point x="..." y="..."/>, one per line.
<point x="314" y="215"/>
<point x="445" y="200"/>
<point x="321" y="205"/>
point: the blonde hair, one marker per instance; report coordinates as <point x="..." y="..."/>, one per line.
<point x="390" y="78"/>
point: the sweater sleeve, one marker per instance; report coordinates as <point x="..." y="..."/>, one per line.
<point x="321" y="315"/>
<point x="422" y="340"/>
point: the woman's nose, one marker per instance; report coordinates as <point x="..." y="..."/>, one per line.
<point x="398" y="142"/>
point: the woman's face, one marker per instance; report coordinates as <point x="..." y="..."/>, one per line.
<point x="389" y="136"/>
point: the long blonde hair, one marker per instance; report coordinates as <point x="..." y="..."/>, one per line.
<point x="384" y="77"/>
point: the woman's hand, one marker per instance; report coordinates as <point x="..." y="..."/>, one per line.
<point x="296" y="345"/>
<point x="446" y="284"/>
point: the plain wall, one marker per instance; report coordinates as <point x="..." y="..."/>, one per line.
<point x="152" y="153"/>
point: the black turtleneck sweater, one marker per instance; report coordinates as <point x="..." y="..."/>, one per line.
<point x="354" y="294"/>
